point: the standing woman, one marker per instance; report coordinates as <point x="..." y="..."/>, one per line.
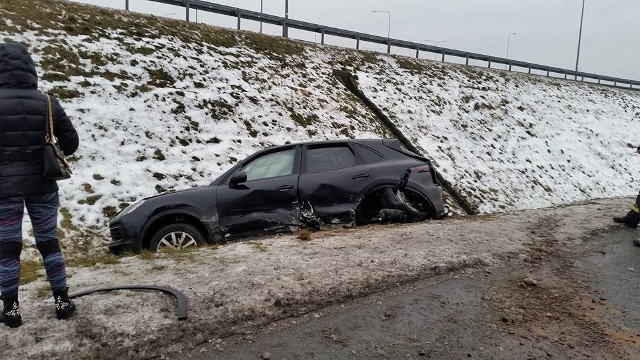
<point x="23" y="118"/>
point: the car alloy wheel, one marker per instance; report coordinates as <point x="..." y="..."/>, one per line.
<point x="176" y="236"/>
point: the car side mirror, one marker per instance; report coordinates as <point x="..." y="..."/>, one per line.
<point x="237" y="178"/>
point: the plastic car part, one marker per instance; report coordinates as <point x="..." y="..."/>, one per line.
<point x="181" y="310"/>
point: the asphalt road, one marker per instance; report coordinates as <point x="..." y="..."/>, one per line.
<point x="614" y="271"/>
<point x="582" y="303"/>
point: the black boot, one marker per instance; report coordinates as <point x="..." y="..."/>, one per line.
<point x="631" y="219"/>
<point x="11" y="312"/>
<point x="64" y="306"/>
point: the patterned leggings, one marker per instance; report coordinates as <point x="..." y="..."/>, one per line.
<point x="43" y="212"/>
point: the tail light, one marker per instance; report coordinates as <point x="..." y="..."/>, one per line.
<point x="421" y="169"/>
<point x="426" y="168"/>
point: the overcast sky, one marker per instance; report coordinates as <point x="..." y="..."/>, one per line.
<point x="546" y="30"/>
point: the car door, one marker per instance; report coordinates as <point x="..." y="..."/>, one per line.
<point x="332" y="180"/>
<point x="267" y="199"/>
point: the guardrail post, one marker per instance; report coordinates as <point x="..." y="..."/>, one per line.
<point x="442" y="59"/>
<point x="529" y="71"/>
<point x="285" y="28"/>
<point x="239" y="19"/>
<point x="509" y="67"/>
<point x="388" y="47"/>
<point x="547" y="73"/>
<point x="357" y="42"/>
<point x="467" y="62"/>
<point x="598" y="81"/>
<point x="126" y="5"/>
<point x="565" y="76"/>
<point x="322" y="37"/>
<point x="417" y="53"/>
<point x="489" y="67"/>
<point x="186" y="6"/>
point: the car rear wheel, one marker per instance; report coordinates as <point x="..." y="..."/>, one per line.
<point x="176" y="236"/>
<point x="415" y="203"/>
<point x="406" y="200"/>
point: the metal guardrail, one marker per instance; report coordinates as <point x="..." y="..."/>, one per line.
<point x="362" y="37"/>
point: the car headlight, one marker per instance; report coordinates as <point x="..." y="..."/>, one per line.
<point x="131" y="208"/>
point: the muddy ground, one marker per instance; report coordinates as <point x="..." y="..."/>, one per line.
<point x="576" y="303"/>
<point x="238" y="287"/>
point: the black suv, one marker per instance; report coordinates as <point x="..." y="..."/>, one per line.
<point x="287" y="187"/>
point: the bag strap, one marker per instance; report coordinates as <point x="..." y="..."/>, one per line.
<point x="49" y="137"/>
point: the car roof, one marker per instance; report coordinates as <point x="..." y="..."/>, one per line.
<point x="329" y="142"/>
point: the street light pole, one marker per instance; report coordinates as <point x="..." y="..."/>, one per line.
<point x="388" y="28"/>
<point x="579" y="38"/>
<point x="508" y="42"/>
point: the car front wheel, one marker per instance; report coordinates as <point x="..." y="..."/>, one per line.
<point x="176" y="236"/>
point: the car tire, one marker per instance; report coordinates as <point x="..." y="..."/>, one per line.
<point x="176" y="236"/>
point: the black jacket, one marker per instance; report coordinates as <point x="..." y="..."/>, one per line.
<point x="22" y="126"/>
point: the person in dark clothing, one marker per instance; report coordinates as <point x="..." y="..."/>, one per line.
<point x="633" y="216"/>
<point x="23" y="118"/>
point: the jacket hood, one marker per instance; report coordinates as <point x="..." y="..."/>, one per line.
<point x="17" y="69"/>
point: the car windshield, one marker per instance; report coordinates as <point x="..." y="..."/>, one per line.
<point x="271" y="165"/>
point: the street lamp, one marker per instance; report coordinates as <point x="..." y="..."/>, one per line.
<point x="436" y="42"/>
<point x="508" y="42"/>
<point x="579" y="38"/>
<point x="388" y="28"/>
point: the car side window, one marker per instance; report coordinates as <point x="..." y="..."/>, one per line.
<point x="271" y="165"/>
<point x="366" y="154"/>
<point x="329" y="158"/>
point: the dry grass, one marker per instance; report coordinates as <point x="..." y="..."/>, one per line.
<point x="258" y="246"/>
<point x="30" y="270"/>
<point x="304" y="235"/>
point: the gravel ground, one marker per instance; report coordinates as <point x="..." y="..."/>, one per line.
<point x="241" y="285"/>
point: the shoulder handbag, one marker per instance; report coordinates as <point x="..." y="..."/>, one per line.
<point x="56" y="166"/>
